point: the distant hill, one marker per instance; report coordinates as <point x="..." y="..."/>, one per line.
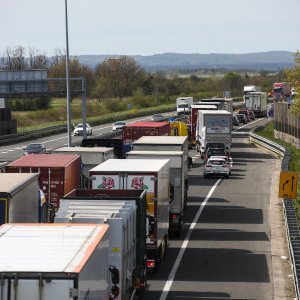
<point x="272" y="61"/>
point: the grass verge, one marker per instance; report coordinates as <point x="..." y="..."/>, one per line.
<point x="294" y="164"/>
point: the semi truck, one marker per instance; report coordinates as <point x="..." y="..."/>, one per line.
<point x="19" y="198"/>
<point x="257" y="102"/>
<point x="58" y="173"/>
<point x="183" y="105"/>
<point x="249" y="89"/>
<point x="134" y="131"/>
<point x="177" y="184"/>
<point x="170" y="143"/>
<point x="55" y="261"/>
<point x="213" y="126"/>
<point x="121" y="218"/>
<point x="85" y="198"/>
<point x="281" y="90"/>
<point x="221" y="103"/>
<point x="152" y="176"/>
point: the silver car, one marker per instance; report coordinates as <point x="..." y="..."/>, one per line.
<point x="78" y="130"/>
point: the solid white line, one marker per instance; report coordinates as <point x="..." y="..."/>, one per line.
<point x="173" y="272"/>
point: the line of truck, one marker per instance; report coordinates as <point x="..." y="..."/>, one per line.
<point x="141" y="199"/>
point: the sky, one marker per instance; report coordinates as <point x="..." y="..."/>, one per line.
<point x="138" y="27"/>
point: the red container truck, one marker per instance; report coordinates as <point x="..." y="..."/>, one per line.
<point x="134" y="131"/>
<point x="59" y="173"/>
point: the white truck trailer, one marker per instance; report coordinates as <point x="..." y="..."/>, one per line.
<point x="183" y="105"/>
<point x="257" y="102"/>
<point x="152" y="176"/>
<point x="250" y="88"/>
<point x="177" y="203"/>
<point x="87" y="198"/>
<point x="54" y="261"/>
<point x="90" y="157"/>
<point x="19" y="198"/>
<point x="167" y="143"/>
<point x="121" y="218"/>
<point x="213" y="126"/>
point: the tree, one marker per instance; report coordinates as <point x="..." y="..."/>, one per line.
<point x="293" y="77"/>
<point x="118" y="77"/>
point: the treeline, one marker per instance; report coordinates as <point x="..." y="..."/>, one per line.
<point x="118" y="78"/>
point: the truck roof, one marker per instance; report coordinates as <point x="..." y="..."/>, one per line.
<point x="84" y="149"/>
<point x="129" y="165"/>
<point x="48" y="247"/>
<point x="161" y="140"/>
<point x="147" y="124"/>
<point x="44" y="160"/>
<point x="215" y="112"/>
<point x="156" y="153"/>
<point x="11" y="182"/>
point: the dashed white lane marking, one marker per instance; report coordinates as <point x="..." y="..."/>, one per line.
<point x="173" y="272"/>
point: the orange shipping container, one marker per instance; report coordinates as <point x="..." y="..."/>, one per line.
<point x="59" y="173"/>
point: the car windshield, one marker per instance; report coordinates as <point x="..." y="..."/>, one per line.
<point x="119" y="123"/>
<point x="81" y="125"/>
<point x="33" y="147"/>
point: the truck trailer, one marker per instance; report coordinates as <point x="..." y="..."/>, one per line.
<point x="138" y="271"/>
<point x="54" y="261"/>
<point x="134" y="131"/>
<point x="257" y="102"/>
<point x="170" y="143"/>
<point x="213" y="126"/>
<point x="177" y="200"/>
<point x="58" y="173"/>
<point x="152" y="176"/>
<point x="90" y="157"/>
<point x="121" y="218"/>
<point x="19" y="198"/>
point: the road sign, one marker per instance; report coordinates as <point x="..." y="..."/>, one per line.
<point x="288" y="185"/>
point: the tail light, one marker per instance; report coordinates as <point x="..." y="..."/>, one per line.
<point x="208" y="166"/>
<point x="174" y="216"/>
<point x="150" y="263"/>
<point x="225" y="166"/>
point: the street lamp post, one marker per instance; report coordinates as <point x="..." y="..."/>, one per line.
<point x="68" y="78"/>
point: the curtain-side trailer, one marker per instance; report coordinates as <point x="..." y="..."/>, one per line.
<point x="152" y="176"/>
<point x="54" y="261"/>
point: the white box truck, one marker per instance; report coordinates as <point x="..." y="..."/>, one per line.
<point x="177" y="203"/>
<point x="54" y="261"/>
<point x="152" y="176"/>
<point x="167" y="143"/>
<point x="257" y="102"/>
<point x="183" y="105"/>
<point x="214" y="127"/>
<point x="121" y="218"/>
<point x="19" y="198"/>
<point x="250" y="88"/>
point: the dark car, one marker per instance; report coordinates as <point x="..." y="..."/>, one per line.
<point x="235" y="121"/>
<point x="215" y="152"/>
<point x="36" y="148"/>
<point x="157" y="118"/>
<point x="242" y="118"/>
<point x="246" y="113"/>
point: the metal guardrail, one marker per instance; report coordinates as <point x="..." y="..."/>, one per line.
<point x="274" y="147"/>
<point x="291" y="222"/>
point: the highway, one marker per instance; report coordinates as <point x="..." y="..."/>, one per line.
<point x="225" y="249"/>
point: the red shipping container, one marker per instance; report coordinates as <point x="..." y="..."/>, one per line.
<point x="134" y="131"/>
<point x="59" y="173"/>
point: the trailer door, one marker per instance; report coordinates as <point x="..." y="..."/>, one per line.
<point x="34" y="289"/>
